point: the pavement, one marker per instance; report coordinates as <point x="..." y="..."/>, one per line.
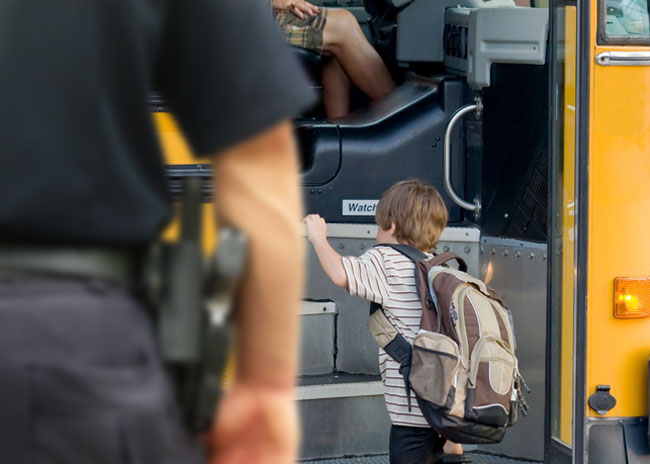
<point x="477" y="458"/>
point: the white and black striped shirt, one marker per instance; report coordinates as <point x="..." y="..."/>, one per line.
<point x="385" y="276"/>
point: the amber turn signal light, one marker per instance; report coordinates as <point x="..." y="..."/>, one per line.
<point x="631" y="297"/>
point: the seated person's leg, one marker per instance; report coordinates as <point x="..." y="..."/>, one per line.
<point x="336" y="89"/>
<point x="336" y="33"/>
<point x="344" y="39"/>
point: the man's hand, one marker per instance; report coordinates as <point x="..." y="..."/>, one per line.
<point x="255" y="425"/>
<point x="297" y="7"/>
<point x="316" y="228"/>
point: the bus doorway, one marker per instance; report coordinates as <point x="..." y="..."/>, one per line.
<point x="471" y="117"/>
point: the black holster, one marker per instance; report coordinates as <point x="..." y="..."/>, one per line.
<point x="192" y="301"/>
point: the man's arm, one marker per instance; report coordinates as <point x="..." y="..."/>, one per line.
<point x="256" y="190"/>
<point x="256" y="187"/>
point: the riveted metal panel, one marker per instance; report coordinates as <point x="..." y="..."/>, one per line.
<point x="356" y="351"/>
<point x="354" y="426"/>
<point x="317" y="344"/>
<point x="517" y="270"/>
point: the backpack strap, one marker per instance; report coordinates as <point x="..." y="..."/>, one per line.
<point x="416" y="255"/>
<point x="374" y="307"/>
<point x="409" y="251"/>
<point x="399" y="349"/>
<point x="442" y="258"/>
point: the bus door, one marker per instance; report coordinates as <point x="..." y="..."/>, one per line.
<point x="563" y="234"/>
<point x="599" y="314"/>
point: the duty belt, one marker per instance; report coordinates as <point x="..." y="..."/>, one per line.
<point x="191" y="309"/>
<point x="115" y="265"/>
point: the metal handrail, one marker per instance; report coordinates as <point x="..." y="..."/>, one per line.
<point x="457" y="116"/>
<point x="623" y="58"/>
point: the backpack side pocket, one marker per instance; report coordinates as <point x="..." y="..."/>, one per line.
<point x="492" y="370"/>
<point x="434" y="368"/>
<point x="381" y="328"/>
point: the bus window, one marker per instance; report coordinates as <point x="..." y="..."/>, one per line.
<point x="627" y="19"/>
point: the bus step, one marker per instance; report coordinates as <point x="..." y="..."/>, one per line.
<point x="342" y="415"/>
<point x="478" y="457"/>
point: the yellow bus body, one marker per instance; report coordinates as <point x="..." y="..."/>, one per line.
<point x="177" y="152"/>
<point x="619" y="227"/>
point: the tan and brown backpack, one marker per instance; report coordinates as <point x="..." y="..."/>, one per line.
<point x="462" y="365"/>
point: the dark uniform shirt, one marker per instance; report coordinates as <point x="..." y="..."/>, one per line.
<point x="79" y="156"/>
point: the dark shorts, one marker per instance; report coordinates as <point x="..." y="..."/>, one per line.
<point x="80" y="378"/>
<point x="413" y="445"/>
<point x="304" y="33"/>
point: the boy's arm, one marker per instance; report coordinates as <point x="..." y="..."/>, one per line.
<point x="364" y="276"/>
<point x="329" y="259"/>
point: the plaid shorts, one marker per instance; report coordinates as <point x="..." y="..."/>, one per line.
<point x="304" y="33"/>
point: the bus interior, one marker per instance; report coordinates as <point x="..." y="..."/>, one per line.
<point x="470" y="116"/>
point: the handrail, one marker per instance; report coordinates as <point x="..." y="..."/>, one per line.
<point x="457" y="116"/>
<point x="624" y="58"/>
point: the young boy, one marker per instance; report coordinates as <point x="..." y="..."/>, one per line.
<point x="411" y="212"/>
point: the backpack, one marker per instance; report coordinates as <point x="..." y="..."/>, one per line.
<point x="462" y="365"/>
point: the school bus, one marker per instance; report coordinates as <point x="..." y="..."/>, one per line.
<point x="533" y="120"/>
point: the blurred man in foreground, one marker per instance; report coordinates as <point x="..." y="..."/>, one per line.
<point x="83" y="193"/>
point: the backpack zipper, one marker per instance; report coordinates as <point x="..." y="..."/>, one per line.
<point x="461" y="330"/>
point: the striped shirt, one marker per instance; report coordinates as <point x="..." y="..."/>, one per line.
<point x="385" y="276"/>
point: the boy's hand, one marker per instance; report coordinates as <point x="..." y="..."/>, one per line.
<point x="329" y="259"/>
<point x="316" y="228"/>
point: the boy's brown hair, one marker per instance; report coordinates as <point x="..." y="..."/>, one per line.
<point x="418" y="211"/>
